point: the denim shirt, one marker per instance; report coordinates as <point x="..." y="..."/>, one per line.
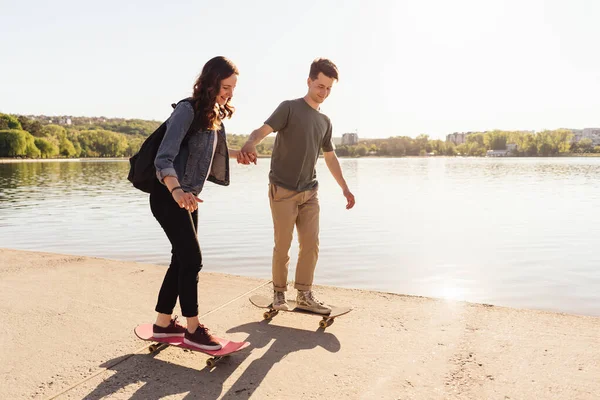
<point x="189" y="160"/>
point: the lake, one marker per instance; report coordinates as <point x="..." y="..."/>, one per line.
<point x="518" y="232"/>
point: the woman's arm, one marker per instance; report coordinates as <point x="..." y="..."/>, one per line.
<point x="241" y="157"/>
<point x="177" y="127"/>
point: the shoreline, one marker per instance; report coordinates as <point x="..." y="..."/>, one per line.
<point x="30" y="160"/>
<point x="424" y="347"/>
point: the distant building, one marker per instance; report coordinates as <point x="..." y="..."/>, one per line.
<point x="349" y="139"/>
<point x="498" y="153"/>
<point x="511" y="149"/>
<point x="456" y="138"/>
<point x="587" y="133"/>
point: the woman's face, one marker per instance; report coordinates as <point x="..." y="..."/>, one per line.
<point x="227" y="88"/>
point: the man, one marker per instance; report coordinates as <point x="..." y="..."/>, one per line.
<point x="302" y="131"/>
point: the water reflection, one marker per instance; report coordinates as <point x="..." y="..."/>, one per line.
<point x="517" y="232"/>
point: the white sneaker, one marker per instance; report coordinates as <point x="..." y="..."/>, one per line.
<point x="279" y="302"/>
<point x="307" y="301"/>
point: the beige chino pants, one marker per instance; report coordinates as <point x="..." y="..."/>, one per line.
<point x="300" y="209"/>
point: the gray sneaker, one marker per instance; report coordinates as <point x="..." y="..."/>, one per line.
<point x="307" y="301"/>
<point x="279" y="302"/>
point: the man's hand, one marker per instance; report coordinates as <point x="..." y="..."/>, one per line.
<point x="249" y="149"/>
<point x="242" y="158"/>
<point x="249" y="152"/>
<point x="350" y="198"/>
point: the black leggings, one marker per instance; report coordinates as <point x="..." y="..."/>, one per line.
<point x="181" y="278"/>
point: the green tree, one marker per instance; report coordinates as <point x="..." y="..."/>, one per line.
<point x="398" y="147"/>
<point x="561" y="140"/>
<point x="361" y="150"/>
<point x="55" y="131"/>
<point x="342" y="151"/>
<point x="100" y="143"/>
<point x="585" y="145"/>
<point x="66" y="148"/>
<point x="544" y="144"/>
<point x="133" y="146"/>
<point x="384" y="149"/>
<point x="421" y="142"/>
<point x="496" y="140"/>
<point x="450" y="149"/>
<point x="476" y="138"/>
<point x="10" y="122"/>
<point x="528" y="145"/>
<point x="32" y="126"/>
<point x="476" y="150"/>
<point x="13" y="143"/>
<point x="31" y="150"/>
<point x="438" y="147"/>
<point x="47" y="148"/>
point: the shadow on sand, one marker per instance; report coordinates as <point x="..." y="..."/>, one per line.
<point x="163" y="378"/>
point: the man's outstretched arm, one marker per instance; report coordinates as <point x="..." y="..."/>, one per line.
<point x="257" y="136"/>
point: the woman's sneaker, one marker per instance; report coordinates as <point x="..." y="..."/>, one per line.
<point x="201" y="339"/>
<point x="173" y="330"/>
<point x="307" y="301"/>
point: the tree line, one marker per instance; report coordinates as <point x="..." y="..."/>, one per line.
<point x="544" y="143"/>
<point x="29" y="138"/>
<point x="25" y="137"/>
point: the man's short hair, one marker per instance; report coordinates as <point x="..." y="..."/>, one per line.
<point x="324" y="65"/>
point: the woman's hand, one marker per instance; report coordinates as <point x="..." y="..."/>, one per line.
<point x="241" y="157"/>
<point x="186" y="200"/>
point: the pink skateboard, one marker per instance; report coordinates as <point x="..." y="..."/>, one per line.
<point x="144" y="332"/>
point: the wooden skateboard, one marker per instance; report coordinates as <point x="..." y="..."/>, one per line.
<point x="265" y="302"/>
<point x="144" y="332"/>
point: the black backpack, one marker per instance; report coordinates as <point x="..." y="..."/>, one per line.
<point x="142" y="173"/>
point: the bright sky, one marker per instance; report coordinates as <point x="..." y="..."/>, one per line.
<point x="406" y="67"/>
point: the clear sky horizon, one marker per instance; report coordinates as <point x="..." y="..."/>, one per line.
<point x="406" y="67"/>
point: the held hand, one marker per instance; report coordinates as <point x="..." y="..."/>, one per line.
<point x="186" y="200"/>
<point x="243" y="158"/>
<point x="249" y="150"/>
<point x="350" y="198"/>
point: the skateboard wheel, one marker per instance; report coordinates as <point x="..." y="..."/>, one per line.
<point x="267" y="315"/>
<point x="210" y="363"/>
<point x="323" y="323"/>
<point x="152" y="348"/>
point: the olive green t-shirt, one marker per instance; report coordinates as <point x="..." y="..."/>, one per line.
<point x="301" y="132"/>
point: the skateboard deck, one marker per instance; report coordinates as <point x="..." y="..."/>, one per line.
<point x="327" y="319"/>
<point x="144" y="332"/>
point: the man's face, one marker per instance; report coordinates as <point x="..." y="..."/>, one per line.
<point x="319" y="89"/>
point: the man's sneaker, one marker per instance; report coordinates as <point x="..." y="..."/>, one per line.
<point x="173" y="330"/>
<point x="202" y="339"/>
<point x="279" y="302"/>
<point x="307" y="301"/>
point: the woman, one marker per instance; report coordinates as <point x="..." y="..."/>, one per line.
<point x="194" y="150"/>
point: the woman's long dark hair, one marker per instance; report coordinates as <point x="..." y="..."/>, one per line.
<point x="207" y="88"/>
